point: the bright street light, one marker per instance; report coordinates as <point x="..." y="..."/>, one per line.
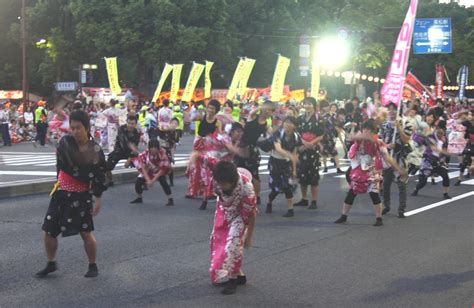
<point x="89" y="66"/>
<point x="332" y="52"/>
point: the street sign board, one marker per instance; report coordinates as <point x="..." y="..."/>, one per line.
<point x="305" y="54"/>
<point x="66" y="86"/>
<point x="432" y="36"/>
<point x="83" y="76"/>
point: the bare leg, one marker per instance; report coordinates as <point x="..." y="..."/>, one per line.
<point x="90" y="245"/>
<point x="314" y="192"/>
<point x="289" y="203"/>
<point x="256" y="186"/>
<point x="51" y="246"/>
<point x="304" y="191"/>
<point x="378" y="210"/>
<point x="336" y="160"/>
<point x="346" y="208"/>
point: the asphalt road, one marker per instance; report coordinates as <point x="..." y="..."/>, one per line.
<point x="152" y="255"/>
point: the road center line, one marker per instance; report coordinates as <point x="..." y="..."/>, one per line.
<point x="440" y="203"/>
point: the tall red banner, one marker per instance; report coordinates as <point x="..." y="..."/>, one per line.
<point x="439" y="82"/>
<point x="393" y="87"/>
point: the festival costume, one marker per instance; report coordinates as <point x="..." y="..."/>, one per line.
<point x="399" y="153"/>
<point x="330" y="135"/>
<point x="308" y="167"/>
<point x="153" y="164"/>
<point x="432" y="163"/>
<point x="80" y="175"/>
<point x="281" y="169"/>
<point x="151" y="125"/>
<point x="121" y="149"/>
<point x="456" y="138"/>
<point x="113" y="123"/>
<point x="468" y="151"/>
<point x="365" y="174"/>
<point x="165" y="114"/>
<point x="59" y="125"/>
<point x="349" y="129"/>
<point x="212" y="149"/>
<point x="230" y="219"/>
<point x="252" y="131"/>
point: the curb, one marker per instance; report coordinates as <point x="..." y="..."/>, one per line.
<point x="122" y="176"/>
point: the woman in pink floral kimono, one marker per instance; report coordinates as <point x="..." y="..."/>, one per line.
<point x="206" y="142"/>
<point x="233" y="224"/>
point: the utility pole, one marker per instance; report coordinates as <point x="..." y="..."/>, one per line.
<point x="24" y="83"/>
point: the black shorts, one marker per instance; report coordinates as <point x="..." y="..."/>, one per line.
<point x="69" y="213"/>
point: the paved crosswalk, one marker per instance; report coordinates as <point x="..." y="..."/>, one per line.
<point x="48" y="160"/>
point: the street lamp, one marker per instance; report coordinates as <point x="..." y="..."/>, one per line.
<point x="332" y="52"/>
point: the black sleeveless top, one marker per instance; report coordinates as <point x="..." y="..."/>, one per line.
<point x="206" y="128"/>
<point x="252" y="131"/>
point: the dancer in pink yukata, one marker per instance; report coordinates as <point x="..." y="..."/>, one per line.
<point x="367" y="154"/>
<point x="234" y="222"/>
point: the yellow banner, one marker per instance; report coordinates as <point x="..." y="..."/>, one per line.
<point x="249" y="63"/>
<point x="207" y="79"/>
<point x="112" y="73"/>
<point x="278" y="83"/>
<point x="236" y="79"/>
<point x="315" y="79"/>
<point x="297" y="94"/>
<point x="164" y="75"/>
<point x="194" y="75"/>
<point x="175" y="82"/>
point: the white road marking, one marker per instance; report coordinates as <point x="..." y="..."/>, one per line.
<point x="39" y="160"/>
<point x="53" y="173"/>
<point x="440" y="203"/>
<point x="451" y="175"/>
<point x="27" y="153"/>
<point x="334" y="170"/>
<point x="468" y="182"/>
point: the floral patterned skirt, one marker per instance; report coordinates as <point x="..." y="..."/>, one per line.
<point x="69" y="213"/>
<point x="280" y="174"/>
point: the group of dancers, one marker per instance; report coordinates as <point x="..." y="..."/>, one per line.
<point x="388" y="144"/>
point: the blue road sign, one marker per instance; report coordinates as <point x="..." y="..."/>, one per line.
<point x="432" y="36"/>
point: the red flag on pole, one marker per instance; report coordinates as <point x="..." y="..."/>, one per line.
<point x="413" y="84"/>
<point x="439" y="83"/>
